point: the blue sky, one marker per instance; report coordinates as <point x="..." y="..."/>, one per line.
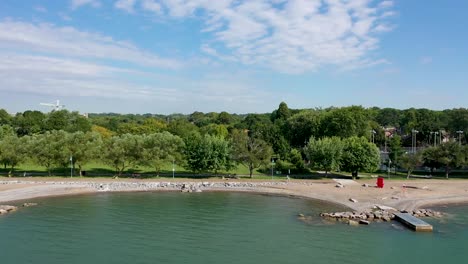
<point x="180" y="56"/>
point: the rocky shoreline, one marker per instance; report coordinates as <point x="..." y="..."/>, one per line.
<point x="148" y="186"/>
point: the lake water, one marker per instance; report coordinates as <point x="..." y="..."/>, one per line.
<point x="214" y="228"/>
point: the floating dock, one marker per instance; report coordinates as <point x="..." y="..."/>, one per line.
<point x="414" y="223"/>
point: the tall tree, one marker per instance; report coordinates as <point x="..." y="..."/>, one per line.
<point x="250" y="151"/>
<point x="359" y="155"/>
<point x="451" y="155"/>
<point x="82" y="148"/>
<point x="5" y="117"/>
<point x="207" y="153"/>
<point x="122" y="151"/>
<point x="431" y="158"/>
<point x="325" y="153"/>
<point x="301" y="126"/>
<point x="160" y="148"/>
<point x="345" y="122"/>
<point x="396" y="149"/>
<point x="13" y="151"/>
<point x="49" y="150"/>
<point x="409" y="161"/>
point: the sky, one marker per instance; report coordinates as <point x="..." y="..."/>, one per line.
<point x="239" y="56"/>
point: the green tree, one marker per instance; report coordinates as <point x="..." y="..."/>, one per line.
<point x="122" y="151"/>
<point x="283" y="112"/>
<point x="431" y="158"/>
<point x="345" y="122"/>
<point x="250" y="151"/>
<point x="5" y="117"/>
<point x="77" y="122"/>
<point x="160" y="148"/>
<point x="451" y="155"/>
<point x="409" y="161"/>
<point x="215" y="130"/>
<point x="396" y="149"/>
<point x="56" y="120"/>
<point x="224" y="118"/>
<point x="13" y="151"/>
<point x="48" y="149"/>
<point x="359" y="155"/>
<point x="82" y="148"/>
<point x="29" y="122"/>
<point x="301" y="126"/>
<point x="6" y="130"/>
<point x="207" y="153"/>
<point x="325" y="153"/>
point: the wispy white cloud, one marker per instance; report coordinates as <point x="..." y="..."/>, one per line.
<point x="70" y="42"/>
<point x="152" y="6"/>
<point x="286" y="35"/>
<point x="40" y="9"/>
<point x="126" y="5"/>
<point x="425" y="60"/>
<point x="65" y="17"/>
<point x="78" y="3"/>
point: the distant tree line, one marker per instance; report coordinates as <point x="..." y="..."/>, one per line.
<point x="346" y="138"/>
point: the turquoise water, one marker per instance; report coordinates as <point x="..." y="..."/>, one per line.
<point x="214" y="228"/>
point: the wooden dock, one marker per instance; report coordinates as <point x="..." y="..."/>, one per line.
<point x="414" y="223"/>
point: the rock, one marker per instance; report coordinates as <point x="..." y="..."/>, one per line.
<point x="8" y="208"/>
<point x="395" y="198"/>
<point x="353" y="223"/>
<point x="300" y="215"/>
<point x="365" y="185"/>
<point x="339" y="185"/>
<point x="364" y="222"/>
<point x="29" y="204"/>
<point x="386" y="219"/>
<point x="3" y="211"/>
<point x="393" y="187"/>
<point x="353" y="200"/>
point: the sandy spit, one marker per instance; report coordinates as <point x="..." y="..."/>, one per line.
<point x="399" y="194"/>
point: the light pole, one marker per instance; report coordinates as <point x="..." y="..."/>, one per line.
<point x="388" y="168"/>
<point x="459" y="132"/>
<point x="71" y="166"/>
<point x="373" y="132"/>
<point x="173" y="169"/>
<point x="272" y="165"/>
<point x="414" y="140"/>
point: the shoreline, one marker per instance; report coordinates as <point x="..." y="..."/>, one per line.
<point x="399" y="194"/>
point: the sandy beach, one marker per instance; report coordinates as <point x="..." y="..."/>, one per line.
<point x="399" y="194"/>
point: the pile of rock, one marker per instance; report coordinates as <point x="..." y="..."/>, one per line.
<point x="377" y="215"/>
<point x="423" y="213"/>
<point x="190" y="188"/>
<point x="4" y="209"/>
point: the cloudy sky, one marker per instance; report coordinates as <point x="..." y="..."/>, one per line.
<point x="168" y="56"/>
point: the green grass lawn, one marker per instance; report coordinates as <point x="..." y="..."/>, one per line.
<point x="98" y="169"/>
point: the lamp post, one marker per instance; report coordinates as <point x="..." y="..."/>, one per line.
<point x="459" y="132"/>
<point x="173" y="169"/>
<point x="71" y="166"/>
<point x="388" y="168"/>
<point x="414" y="140"/>
<point x="373" y="132"/>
